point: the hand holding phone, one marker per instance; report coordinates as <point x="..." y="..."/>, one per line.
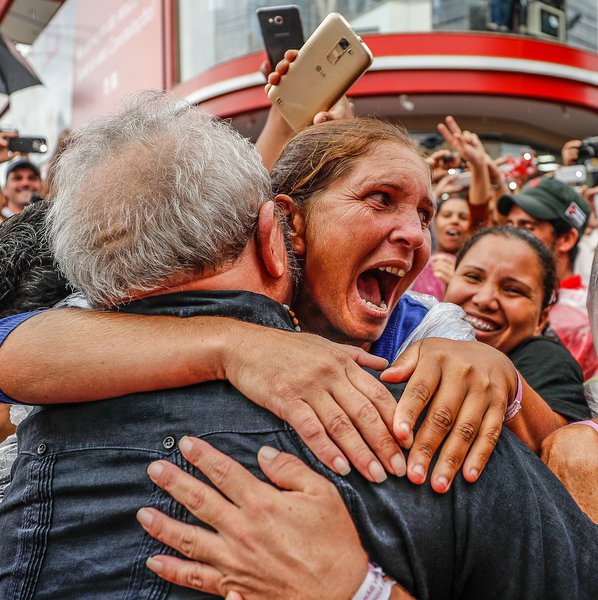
<point x="28" y="144"/>
<point x="330" y="62"/>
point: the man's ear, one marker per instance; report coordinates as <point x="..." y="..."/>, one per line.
<point x="270" y="241"/>
<point x="296" y="220"/>
<point x="542" y="321"/>
<point x="565" y="242"/>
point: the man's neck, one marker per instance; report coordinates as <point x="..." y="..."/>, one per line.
<point x="246" y="273"/>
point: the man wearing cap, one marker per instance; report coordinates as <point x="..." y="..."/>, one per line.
<point x="557" y="215"/>
<point x="23" y="179"/>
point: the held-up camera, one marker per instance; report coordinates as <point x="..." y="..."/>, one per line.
<point x="588" y="149"/>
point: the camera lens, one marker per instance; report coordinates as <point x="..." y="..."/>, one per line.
<point x="343" y="43"/>
<point x="278" y="20"/>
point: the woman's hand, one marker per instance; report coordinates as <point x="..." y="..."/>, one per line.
<point x="466" y="143"/>
<point x="468" y="386"/>
<point x="443" y="266"/>
<point x="294" y="542"/>
<point x="339" y="410"/>
<point x="343" y="109"/>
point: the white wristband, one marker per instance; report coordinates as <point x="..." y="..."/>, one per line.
<point x="515" y="405"/>
<point x="374" y="586"/>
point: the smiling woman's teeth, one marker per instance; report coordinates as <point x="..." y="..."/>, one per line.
<point x="479" y="324"/>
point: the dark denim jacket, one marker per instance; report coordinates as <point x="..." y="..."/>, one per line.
<point x="68" y="528"/>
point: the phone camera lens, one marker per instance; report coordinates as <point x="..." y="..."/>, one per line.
<point x="278" y="20"/>
<point x="343" y="43"/>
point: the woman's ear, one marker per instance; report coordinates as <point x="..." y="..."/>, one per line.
<point x="542" y="321"/>
<point x="295" y="219"/>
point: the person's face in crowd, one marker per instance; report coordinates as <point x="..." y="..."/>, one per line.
<point x="21" y="184"/>
<point x="452" y="224"/>
<point x="364" y="241"/>
<point x="543" y="230"/>
<point x="498" y="284"/>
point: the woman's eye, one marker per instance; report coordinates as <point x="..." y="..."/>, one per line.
<point x="382" y="198"/>
<point x="472" y="277"/>
<point x="514" y="291"/>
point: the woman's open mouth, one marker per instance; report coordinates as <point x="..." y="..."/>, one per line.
<point x="376" y="287"/>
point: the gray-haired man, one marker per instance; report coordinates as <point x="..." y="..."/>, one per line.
<point x="167" y="210"/>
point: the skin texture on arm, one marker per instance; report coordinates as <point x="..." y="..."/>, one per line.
<point x="268" y="542"/>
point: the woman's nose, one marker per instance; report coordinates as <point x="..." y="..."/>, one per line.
<point x="408" y="231"/>
<point x="485" y="297"/>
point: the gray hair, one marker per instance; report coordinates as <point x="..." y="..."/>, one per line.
<point x="150" y="193"/>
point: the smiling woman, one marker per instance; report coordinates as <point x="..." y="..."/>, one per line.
<point x="505" y="281"/>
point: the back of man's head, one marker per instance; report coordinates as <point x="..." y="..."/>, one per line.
<point x="150" y="193"/>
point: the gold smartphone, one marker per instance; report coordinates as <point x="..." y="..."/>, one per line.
<point x="330" y="62"/>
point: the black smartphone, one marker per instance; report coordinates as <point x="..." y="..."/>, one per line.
<point x="28" y="144"/>
<point x="281" y="30"/>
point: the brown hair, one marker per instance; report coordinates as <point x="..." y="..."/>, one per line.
<point x="320" y="154"/>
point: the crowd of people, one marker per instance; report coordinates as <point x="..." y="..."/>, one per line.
<point x="224" y="311"/>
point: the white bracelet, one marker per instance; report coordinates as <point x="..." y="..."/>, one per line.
<point x="515" y="406"/>
<point x="374" y="586"/>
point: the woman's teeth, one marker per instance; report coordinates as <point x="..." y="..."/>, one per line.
<point x="394" y="270"/>
<point x="479" y="324"/>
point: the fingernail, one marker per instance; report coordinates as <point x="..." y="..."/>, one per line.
<point x="268" y="453"/>
<point x="442" y="482"/>
<point x="474" y="473"/>
<point x="185" y="445"/>
<point x="397" y="462"/>
<point x="145" y="517"/>
<point x="341" y="466"/>
<point x="155" y="469"/>
<point x="419" y="471"/>
<point x="403" y="429"/>
<point x="155" y="564"/>
<point x="377" y="472"/>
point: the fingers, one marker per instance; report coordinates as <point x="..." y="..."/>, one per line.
<point x="454" y="449"/>
<point x="335" y="412"/>
<point x="322" y="117"/>
<point x="373" y="415"/>
<point x="290" y="473"/>
<point x="186" y="573"/>
<point x="230" y="477"/>
<point x="191" y="540"/>
<point x="452" y="125"/>
<point x="485" y="442"/>
<point x="306" y="422"/>
<point x="363" y="358"/>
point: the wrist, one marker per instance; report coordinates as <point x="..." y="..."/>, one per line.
<point x="514" y="404"/>
<point x="375" y="586"/>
